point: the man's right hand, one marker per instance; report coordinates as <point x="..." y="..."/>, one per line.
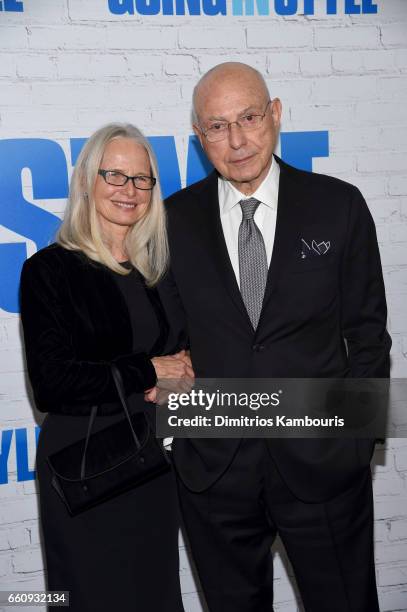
<point x="173" y="366"/>
<point x="174" y="375"/>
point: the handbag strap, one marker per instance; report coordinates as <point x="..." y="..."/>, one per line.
<point x="117" y="377"/>
<point x="120" y="389"/>
<point x="90" y="425"/>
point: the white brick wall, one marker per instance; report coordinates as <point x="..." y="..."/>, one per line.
<point x="68" y="66"/>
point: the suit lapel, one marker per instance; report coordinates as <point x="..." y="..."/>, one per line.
<point x="285" y="238"/>
<point x="218" y="249"/>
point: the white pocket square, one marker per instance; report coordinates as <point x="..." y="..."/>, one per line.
<point x="316" y="248"/>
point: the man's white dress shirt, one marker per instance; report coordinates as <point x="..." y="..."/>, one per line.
<point x="265" y="215"/>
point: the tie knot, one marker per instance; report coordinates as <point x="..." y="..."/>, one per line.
<point x="249" y="207"/>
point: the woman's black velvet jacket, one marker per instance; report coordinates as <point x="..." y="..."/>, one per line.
<point x="76" y="323"/>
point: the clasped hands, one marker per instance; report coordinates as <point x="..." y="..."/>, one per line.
<point x="174" y="375"/>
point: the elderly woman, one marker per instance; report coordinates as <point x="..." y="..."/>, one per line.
<point x="87" y="302"/>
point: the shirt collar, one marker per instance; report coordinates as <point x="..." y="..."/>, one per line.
<point x="267" y="192"/>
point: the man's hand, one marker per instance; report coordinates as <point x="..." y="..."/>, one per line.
<point x="173" y="366"/>
<point x="174" y="375"/>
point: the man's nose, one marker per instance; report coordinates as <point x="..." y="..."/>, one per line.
<point x="237" y="137"/>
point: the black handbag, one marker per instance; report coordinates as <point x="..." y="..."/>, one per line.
<point x="108" y="462"/>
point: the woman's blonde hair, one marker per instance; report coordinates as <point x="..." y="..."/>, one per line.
<point x="146" y="241"/>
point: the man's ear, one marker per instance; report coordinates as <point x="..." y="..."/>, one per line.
<point x="276" y="112"/>
<point x="199" y="134"/>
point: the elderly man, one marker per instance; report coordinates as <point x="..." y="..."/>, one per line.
<point x="277" y="274"/>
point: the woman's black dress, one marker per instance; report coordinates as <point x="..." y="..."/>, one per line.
<point x="123" y="554"/>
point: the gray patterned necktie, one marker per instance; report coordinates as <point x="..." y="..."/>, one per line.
<point x="252" y="261"/>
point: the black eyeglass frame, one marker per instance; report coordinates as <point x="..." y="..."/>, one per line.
<point x="103" y="173"/>
<point x="229" y="123"/>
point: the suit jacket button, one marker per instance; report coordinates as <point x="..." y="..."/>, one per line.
<point x="258" y="347"/>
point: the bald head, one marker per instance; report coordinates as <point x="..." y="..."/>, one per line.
<point x="227" y="77"/>
<point x="236" y="123"/>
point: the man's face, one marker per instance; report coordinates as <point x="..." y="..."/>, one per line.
<point x="243" y="157"/>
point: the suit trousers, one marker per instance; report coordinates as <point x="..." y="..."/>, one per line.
<point x="232" y="525"/>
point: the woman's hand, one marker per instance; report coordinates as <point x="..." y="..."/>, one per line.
<point x="150" y="395"/>
<point x="158" y="396"/>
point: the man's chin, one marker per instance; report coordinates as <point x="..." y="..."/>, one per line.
<point x="244" y="177"/>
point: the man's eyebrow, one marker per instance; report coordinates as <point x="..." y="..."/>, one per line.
<point x="252" y="107"/>
<point x="214" y="118"/>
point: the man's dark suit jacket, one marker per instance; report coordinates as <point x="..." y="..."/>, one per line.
<point x="323" y="316"/>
